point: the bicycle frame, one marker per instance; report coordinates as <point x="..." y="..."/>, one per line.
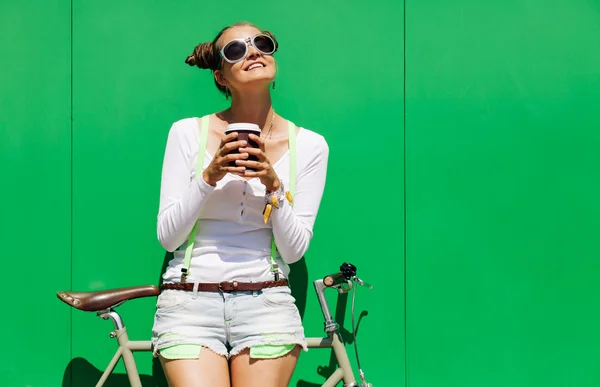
<point x="332" y="341"/>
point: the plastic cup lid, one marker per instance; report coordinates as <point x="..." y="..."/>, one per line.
<point x="242" y="126"/>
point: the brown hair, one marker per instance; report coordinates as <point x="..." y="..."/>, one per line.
<point x="207" y="55"/>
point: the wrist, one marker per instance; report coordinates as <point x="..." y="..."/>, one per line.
<point x="274" y="186"/>
<point x="274" y="198"/>
<point x="275" y="195"/>
<point x="207" y="180"/>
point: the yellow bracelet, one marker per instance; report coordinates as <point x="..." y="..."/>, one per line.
<point x="267" y="212"/>
<point x="272" y="199"/>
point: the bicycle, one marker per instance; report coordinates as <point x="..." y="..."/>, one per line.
<point x="104" y="303"/>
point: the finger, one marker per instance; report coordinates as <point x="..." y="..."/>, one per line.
<point x="256" y="173"/>
<point x="235" y="170"/>
<point x="258" y="140"/>
<point x="230" y="137"/>
<point x="232" y="157"/>
<point x="255" y="152"/>
<point x="252" y="164"/>
<point x="228" y="147"/>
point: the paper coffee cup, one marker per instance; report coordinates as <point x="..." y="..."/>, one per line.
<point x="243" y="130"/>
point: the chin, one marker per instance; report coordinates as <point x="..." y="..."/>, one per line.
<point x="259" y="81"/>
<point x="258" y="75"/>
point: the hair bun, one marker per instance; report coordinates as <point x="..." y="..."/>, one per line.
<point x="203" y="57"/>
<point x="191" y="59"/>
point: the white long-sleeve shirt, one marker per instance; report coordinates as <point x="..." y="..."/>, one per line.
<point x="232" y="241"/>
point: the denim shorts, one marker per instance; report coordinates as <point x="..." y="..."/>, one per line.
<point x="227" y="322"/>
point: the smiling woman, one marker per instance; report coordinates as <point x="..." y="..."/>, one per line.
<point x="226" y="315"/>
<point x="210" y="56"/>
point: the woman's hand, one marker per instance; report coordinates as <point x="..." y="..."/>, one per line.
<point x="219" y="166"/>
<point x="261" y="168"/>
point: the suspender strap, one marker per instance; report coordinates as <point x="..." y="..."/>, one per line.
<point x="201" y="153"/>
<point x="292" y="154"/>
<point x="203" y="137"/>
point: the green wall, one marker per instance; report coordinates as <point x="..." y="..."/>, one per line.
<point x="495" y="147"/>
<point x="502" y="160"/>
<point x="35" y="190"/>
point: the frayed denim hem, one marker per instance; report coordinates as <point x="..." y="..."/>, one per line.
<point x="237" y="350"/>
<point x="156" y="347"/>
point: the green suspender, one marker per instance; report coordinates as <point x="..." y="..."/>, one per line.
<point x="185" y="270"/>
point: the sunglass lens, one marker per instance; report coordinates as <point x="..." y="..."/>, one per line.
<point x="235" y="50"/>
<point x="264" y="44"/>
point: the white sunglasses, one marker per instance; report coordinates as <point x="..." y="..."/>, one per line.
<point x="236" y="50"/>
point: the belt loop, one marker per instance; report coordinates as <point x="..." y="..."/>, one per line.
<point x="195" y="290"/>
<point x="254" y="292"/>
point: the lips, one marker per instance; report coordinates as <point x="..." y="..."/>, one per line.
<point x="255" y="65"/>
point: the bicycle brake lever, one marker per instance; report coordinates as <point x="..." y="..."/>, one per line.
<point x="363" y="283"/>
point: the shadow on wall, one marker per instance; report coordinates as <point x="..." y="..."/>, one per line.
<point x="81" y="373"/>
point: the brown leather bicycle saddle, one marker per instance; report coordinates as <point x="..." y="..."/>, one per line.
<point x="104" y="299"/>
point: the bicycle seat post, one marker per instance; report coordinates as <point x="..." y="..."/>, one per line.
<point x="124" y="351"/>
<point x="114" y="316"/>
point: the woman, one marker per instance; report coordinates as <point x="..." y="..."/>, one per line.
<point x="226" y="316"/>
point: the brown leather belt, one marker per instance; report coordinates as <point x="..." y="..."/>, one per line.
<point x="234" y="286"/>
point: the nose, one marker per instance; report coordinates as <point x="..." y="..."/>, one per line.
<point x="252" y="52"/>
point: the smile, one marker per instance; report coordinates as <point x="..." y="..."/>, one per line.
<point x="255" y="66"/>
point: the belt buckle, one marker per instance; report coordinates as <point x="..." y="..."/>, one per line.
<point x="228" y="286"/>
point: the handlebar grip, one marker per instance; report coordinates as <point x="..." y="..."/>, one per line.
<point x="334" y="279"/>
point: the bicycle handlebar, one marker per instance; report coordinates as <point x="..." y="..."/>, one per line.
<point x="334" y="279"/>
<point x="347" y="271"/>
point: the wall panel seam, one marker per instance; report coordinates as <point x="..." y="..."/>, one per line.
<point x="71" y="188"/>
<point x="404" y="166"/>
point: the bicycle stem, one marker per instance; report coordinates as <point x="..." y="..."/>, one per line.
<point x="330" y="324"/>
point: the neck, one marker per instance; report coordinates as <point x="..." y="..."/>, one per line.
<point x="254" y="108"/>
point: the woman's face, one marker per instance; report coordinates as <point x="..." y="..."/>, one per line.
<point x="255" y="71"/>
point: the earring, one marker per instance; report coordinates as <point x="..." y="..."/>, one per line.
<point x="273" y="85"/>
<point x="226" y="92"/>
